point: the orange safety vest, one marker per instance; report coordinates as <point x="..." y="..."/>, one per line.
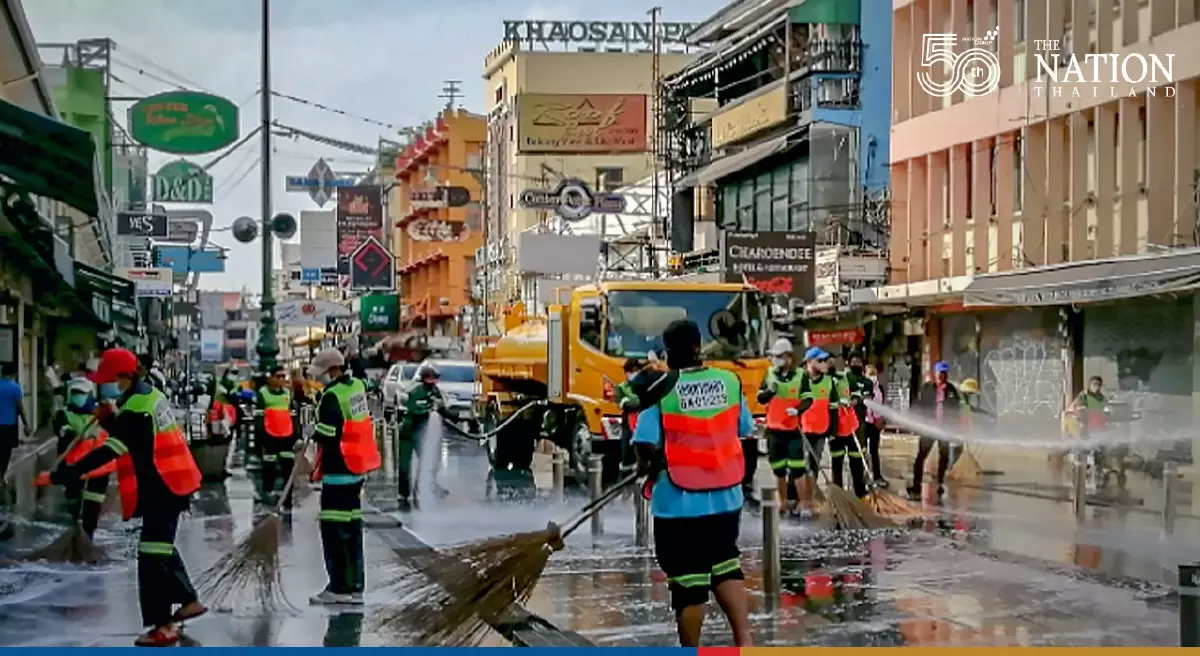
<point x="787" y="397"/>
<point x="277" y="414"/>
<point x="83" y="424"/>
<point x="359" y="450"/>
<point x="847" y="418"/>
<point x="700" y="417"/>
<point x="815" y="420"/>
<point x="172" y="458"/>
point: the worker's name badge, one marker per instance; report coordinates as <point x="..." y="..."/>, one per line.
<point x="164" y="414"/>
<point x="701" y="395"/>
<point x="358" y="405"/>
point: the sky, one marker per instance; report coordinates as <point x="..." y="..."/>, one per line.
<point x="385" y="61"/>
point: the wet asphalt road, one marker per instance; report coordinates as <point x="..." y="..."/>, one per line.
<point x="996" y="568"/>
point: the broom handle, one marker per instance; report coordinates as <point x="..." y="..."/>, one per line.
<point x="595" y="505"/>
<point x="287" y="487"/>
<point x="8" y="476"/>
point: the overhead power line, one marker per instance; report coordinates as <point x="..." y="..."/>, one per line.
<point x="332" y="110"/>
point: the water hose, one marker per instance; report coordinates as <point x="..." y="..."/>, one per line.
<point x="481" y="437"/>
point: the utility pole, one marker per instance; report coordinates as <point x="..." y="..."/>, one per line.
<point x="268" y="345"/>
<point x="655" y="110"/>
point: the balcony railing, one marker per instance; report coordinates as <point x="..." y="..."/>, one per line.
<point x="830" y="56"/>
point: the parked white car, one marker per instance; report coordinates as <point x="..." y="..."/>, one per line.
<point x="396" y="383"/>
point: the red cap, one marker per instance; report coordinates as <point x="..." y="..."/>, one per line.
<point x="113" y="363"/>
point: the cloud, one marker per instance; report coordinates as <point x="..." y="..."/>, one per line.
<point x="381" y="59"/>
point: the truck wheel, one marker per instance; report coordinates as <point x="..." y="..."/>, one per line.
<point x="580" y="451"/>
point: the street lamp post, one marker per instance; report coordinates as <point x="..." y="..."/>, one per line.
<point x="268" y="345"/>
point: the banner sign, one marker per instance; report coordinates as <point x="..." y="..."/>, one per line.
<point x="380" y="313"/>
<point x="359" y="217"/>
<point x="149" y="282"/>
<point x="142" y="224"/>
<point x="581" y="123"/>
<point x="425" y="230"/>
<point x="184" y="122"/>
<point x="341" y="325"/>
<point x="308" y="314"/>
<point x="183" y="182"/>
<point x="782" y="263"/>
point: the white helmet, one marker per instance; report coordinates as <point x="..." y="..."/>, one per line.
<point x="81" y="386"/>
<point x="782" y="347"/>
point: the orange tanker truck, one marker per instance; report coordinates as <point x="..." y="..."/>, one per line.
<point x="558" y="373"/>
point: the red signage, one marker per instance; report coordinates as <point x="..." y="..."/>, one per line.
<point x="835" y="337"/>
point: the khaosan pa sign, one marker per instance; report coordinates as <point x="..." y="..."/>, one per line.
<point x="184" y="122"/>
<point x="183" y="182"/>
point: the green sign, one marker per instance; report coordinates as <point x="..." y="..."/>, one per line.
<point x="184" y="122"/>
<point x="379" y="313"/>
<point x="183" y="182"/>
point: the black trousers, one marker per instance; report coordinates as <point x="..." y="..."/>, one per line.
<point x="342" y="537"/>
<point x="924" y="446"/>
<point x="841" y="449"/>
<point x="873" y="435"/>
<point x="10" y="437"/>
<point x="85" y="501"/>
<point x="278" y="460"/>
<point x="163" y="580"/>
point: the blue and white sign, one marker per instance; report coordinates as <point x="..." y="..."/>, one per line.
<point x="185" y="259"/>
<point x="319" y="184"/>
<point x="310" y="276"/>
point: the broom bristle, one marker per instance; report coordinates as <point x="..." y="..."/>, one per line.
<point x="301" y="471"/>
<point x="450" y="597"/>
<point x="251" y="569"/>
<point x="966" y="470"/>
<point x="887" y="504"/>
<point x="73" y="546"/>
<point x="842" y="511"/>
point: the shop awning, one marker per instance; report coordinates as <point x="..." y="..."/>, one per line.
<point x="47" y="157"/>
<point x="743" y="159"/>
<point x="1090" y="281"/>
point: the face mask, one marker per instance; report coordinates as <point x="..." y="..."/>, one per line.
<point x="110" y="391"/>
<point x="79" y="399"/>
<point x="325" y="379"/>
<point x="779" y="362"/>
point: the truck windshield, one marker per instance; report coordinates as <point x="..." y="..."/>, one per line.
<point x="730" y="323"/>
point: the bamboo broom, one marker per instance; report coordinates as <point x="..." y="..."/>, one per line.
<point x="253" y="566"/>
<point x="74" y="545"/>
<point x="457" y="591"/>
<point x="883" y="502"/>
<point x="842" y="510"/>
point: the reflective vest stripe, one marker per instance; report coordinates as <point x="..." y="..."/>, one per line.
<point x="277" y="415"/>
<point x="787" y="397"/>
<point x="172" y="457"/>
<point x="358" y="447"/>
<point x="93" y="438"/>
<point x="701" y="444"/>
<point x="815" y="420"/>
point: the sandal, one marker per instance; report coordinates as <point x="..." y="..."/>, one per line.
<point x="163" y="636"/>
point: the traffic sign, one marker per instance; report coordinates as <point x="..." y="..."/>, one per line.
<point x="320" y="183"/>
<point x="372" y="267"/>
<point x="310" y="276"/>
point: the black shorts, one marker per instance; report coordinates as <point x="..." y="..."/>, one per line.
<point x="697" y="554"/>
<point x="787" y="455"/>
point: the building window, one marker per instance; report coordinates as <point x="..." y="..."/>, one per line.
<point x="779" y="199"/>
<point x="969" y="179"/>
<point x="1142" y="146"/>
<point x="609" y="178"/>
<point x="474" y="159"/>
<point x="1018" y="20"/>
<point x="1019" y="171"/>
<point x="993" y="181"/>
<point x="729" y="206"/>
<point x="762" y="202"/>
<point x="474" y="215"/>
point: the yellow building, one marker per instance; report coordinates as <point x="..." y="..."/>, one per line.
<point x="556" y="115"/>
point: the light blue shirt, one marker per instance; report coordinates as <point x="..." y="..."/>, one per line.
<point x="670" y="501"/>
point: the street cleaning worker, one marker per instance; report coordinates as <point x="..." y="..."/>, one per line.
<point x="873" y="425"/>
<point x="780" y="392"/>
<point x="847" y="404"/>
<point x="1092" y="407"/>
<point x="818" y="420"/>
<point x="156" y="477"/>
<point x="222" y="414"/>
<point x="422" y="400"/>
<point x="690" y="443"/>
<point x="627" y="401"/>
<point x="346" y="453"/>
<point x="277" y="431"/>
<point x="938" y="400"/>
<point x="85" y="498"/>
